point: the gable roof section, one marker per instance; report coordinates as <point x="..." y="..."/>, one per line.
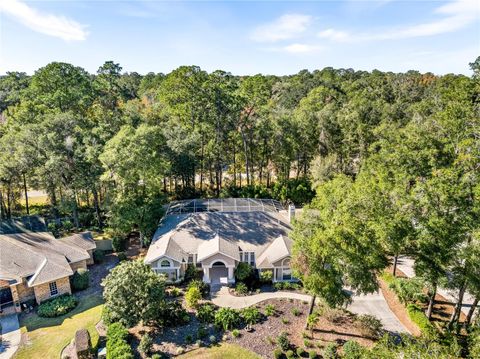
<point x="165" y="246"/>
<point x="83" y="240"/>
<point x="218" y="245"/>
<point x="38" y="256"/>
<point x="280" y="248"/>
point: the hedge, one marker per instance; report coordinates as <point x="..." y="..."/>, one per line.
<point x="117" y="342"/>
<point x="57" y="306"/>
<point x="81" y="279"/>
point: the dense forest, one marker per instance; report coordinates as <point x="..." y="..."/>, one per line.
<point x="113" y="146"/>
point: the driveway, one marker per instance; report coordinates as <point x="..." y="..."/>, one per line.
<point x="405" y="264"/>
<point x="376" y="305"/>
<point x="10" y="336"/>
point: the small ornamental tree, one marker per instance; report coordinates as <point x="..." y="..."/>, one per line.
<point x="133" y="293"/>
<point x="243" y="271"/>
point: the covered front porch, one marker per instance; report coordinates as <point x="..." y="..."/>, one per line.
<point x="219" y="272"/>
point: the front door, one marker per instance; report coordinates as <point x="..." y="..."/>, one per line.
<point x="218" y="273"/>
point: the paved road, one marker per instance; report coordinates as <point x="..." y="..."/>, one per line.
<point x="375" y="304"/>
<point x="405" y="264"/>
<point x="10" y="336"/>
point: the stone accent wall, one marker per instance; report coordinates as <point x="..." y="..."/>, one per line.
<point x="77" y="265"/>
<point x="21" y="292"/>
<point x="42" y="291"/>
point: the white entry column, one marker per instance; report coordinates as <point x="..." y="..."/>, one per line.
<point x="231" y="276"/>
<point x="206" y="274"/>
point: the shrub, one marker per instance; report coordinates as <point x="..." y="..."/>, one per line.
<point x="409" y="290"/>
<point x="235" y="333"/>
<point x="180" y="351"/>
<point x="202" y="286"/>
<point x="417" y="316"/>
<point x="277" y="353"/>
<point x="206" y="313"/>
<point x="226" y="318"/>
<point x="98" y="256"/>
<point x="190" y="273"/>
<point x="369" y="325"/>
<point x="278" y="285"/>
<point x="80" y="279"/>
<point x="266" y="276"/>
<point x="243" y="271"/>
<point x="67" y="225"/>
<point x="122" y="256"/>
<point x="330" y="351"/>
<point x="333" y="315"/>
<point x="296" y="312"/>
<point x="188" y="339"/>
<point x="212" y="339"/>
<point x="270" y="310"/>
<point x="57" y="306"/>
<point x="270" y="340"/>
<point x="173" y="313"/>
<point x="301" y="352"/>
<point x="290" y="354"/>
<point x="283" y="342"/>
<point x="117" y="342"/>
<point x="312" y="354"/>
<point x="241" y="288"/>
<point x="174" y="292"/>
<point x="285" y="321"/>
<point x="307" y="343"/>
<point x="352" y="350"/>
<point x="201" y="332"/>
<point x="193" y="296"/>
<point x="146" y="344"/>
<point x="119" y="243"/>
<point x="156" y="356"/>
<point x="250" y="315"/>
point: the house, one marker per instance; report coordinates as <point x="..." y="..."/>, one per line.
<point x="216" y="235"/>
<point x="37" y="266"/>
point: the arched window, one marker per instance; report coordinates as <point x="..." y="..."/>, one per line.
<point x="165" y="263"/>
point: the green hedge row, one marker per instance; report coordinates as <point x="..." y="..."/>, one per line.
<point x="57" y="306"/>
<point x="418" y="316"/>
<point x="117" y="342"/>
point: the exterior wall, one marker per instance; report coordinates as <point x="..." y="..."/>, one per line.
<point x="278" y="268"/>
<point x="157" y="263"/>
<point x="174" y="273"/>
<point x="78" y="265"/>
<point x="42" y="291"/>
<point x="21" y="292"/>
<point x="90" y="260"/>
<point x="218" y="258"/>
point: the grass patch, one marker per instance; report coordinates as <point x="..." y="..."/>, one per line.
<point x="417" y="316"/>
<point x="223" y="351"/>
<point x="48" y="336"/>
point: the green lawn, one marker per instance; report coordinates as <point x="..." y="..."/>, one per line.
<point x="48" y="336"/>
<point x="223" y="351"/>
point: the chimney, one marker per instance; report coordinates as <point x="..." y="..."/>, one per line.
<point x="291" y="212"/>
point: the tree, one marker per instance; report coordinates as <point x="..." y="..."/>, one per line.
<point x="133" y="294"/>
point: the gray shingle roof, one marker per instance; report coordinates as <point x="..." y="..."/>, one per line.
<point x="39" y="256"/>
<point x="248" y="231"/>
<point x="278" y="249"/>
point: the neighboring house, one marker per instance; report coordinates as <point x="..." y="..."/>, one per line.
<point x="215" y="235"/>
<point x="37" y="266"/>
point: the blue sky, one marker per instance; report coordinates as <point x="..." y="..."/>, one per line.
<point x="243" y="37"/>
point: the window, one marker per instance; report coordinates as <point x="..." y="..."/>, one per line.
<point x="248" y="257"/>
<point x="53" y="288"/>
<point x="190" y="259"/>
<point x="287" y="274"/>
<point x="164" y="263"/>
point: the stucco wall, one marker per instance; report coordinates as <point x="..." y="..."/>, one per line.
<point x="218" y="257"/>
<point x="173" y="263"/>
<point x="42" y="291"/>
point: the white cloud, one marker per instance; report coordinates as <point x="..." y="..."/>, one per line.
<point x="49" y="24"/>
<point x="334" y="35"/>
<point x="456" y="15"/>
<point x="285" y="27"/>
<point x="301" y="48"/>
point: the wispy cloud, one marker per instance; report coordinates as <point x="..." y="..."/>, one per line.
<point x="301" y="48"/>
<point x="49" y="24"/>
<point x="285" y="27"/>
<point x="456" y="15"/>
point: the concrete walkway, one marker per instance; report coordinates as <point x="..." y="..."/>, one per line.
<point x="223" y="298"/>
<point x="376" y="305"/>
<point x="405" y="264"/>
<point x="10" y="336"/>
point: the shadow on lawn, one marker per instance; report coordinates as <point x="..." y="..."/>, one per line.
<point x="33" y="322"/>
